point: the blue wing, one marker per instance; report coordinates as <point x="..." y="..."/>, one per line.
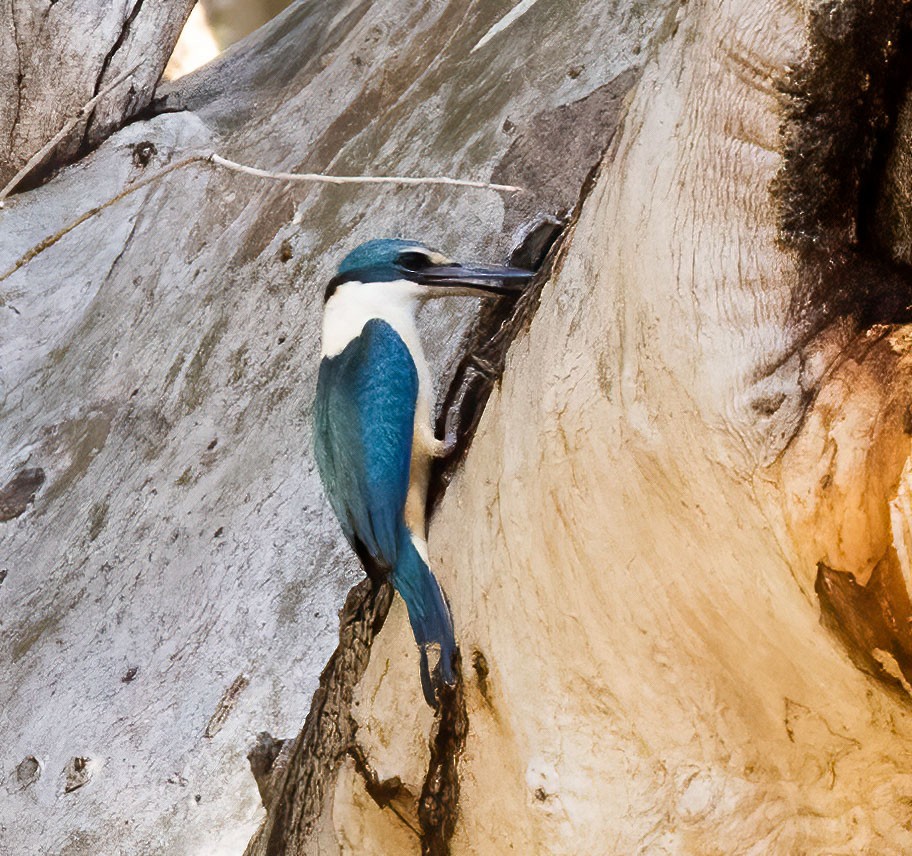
<point x="364" y="417"/>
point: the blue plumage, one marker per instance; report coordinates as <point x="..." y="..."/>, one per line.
<point x="428" y="612"/>
<point x="363" y="429"/>
<point x="363" y="424"/>
<point x="373" y="434"/>
<point x="378" y="256"/>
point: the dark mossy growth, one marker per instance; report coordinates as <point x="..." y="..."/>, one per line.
<point x="842" y="102"/>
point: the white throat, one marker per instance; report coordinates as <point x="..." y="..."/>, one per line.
<point x="353" y="304"/>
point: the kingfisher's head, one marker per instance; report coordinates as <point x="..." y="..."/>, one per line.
<point x="411" y="270"/>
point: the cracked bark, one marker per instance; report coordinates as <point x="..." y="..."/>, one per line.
<point x="20" y="76"/>
<point x="438" y="808"/>
<point x="62" y="60"/>
<point x="105" y="64"/>
<point x="328" y="733"/>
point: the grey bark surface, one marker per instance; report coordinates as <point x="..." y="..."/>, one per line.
<point x="696" y="467"/>
<point x="178" y="565"/>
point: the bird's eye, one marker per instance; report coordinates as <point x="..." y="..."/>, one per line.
<point x="413" y="261"/>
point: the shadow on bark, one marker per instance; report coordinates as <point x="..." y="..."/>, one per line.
<point x="296" y="801"/>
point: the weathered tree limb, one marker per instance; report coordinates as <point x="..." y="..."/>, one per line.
<point x="61" y="56"/>
<point x="704" y="420"/>
<point x="35" y="160"/>
<point x="683" y="505"/>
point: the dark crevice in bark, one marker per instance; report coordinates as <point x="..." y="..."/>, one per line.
<point x="873" y="622"/>
<point x="20" y="77"/>
<point x="19" y="492"/>
<point x="499" y="324"/>
<point x="158" y="106"/>
<point x="438" y="809"/>
<point x="387" y="793"/>
<point x="105" y="65"/>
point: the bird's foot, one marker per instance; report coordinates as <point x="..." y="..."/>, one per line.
<point x="445" y="447"/>
<point x="449" y="443"/>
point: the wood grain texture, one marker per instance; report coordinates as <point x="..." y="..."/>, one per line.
<point x="634" y="554"/>
<point x="632" y="545"/>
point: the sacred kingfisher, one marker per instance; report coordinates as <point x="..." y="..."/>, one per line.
<point x="373" y="432"/>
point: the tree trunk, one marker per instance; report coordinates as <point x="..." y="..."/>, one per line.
<point x="677" y="548"/>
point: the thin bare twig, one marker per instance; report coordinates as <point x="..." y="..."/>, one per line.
<point x="218" y="160"/>
<point x="68" y="126"/>
<point x="357" y="179"/>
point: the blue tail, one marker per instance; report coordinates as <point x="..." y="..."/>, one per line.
<point x="428" y="613"/>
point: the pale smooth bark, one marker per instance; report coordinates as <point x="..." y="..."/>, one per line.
<point x="636" y="584"/>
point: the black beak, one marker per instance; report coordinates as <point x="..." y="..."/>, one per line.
<point x="491" y="279"/>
